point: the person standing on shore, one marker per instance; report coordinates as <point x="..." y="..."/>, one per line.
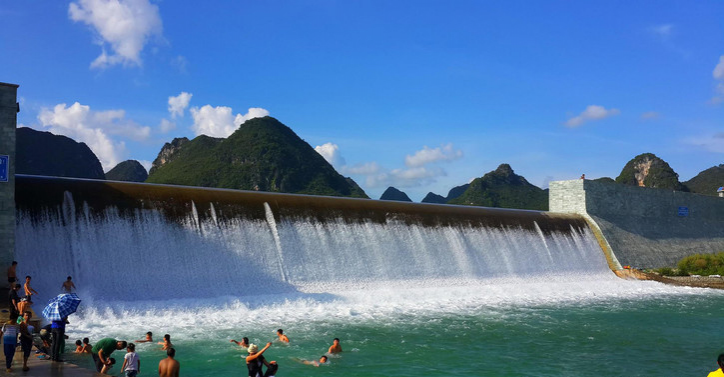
<point x="169" y="367"/>
<point x="29" y="291"/>
<point x="12" y="275"/>
<point x="58" y="331"/>
<point x="26" y="338"/>
<point x="103" y="349"/>
<point x="68" y="285"/>
<point x="14" y="300"/>
<point x="9" y="334"/>
<point x="719" y="372"/>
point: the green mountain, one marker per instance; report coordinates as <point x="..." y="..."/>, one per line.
<point x="43" y="153"/>
<point x="648" y="170"/>
<point x="263" y="154"/>
<point x="503" y="188"/>
<point x="434" y="198"/>
<point x="394" y="194"/>
<point x="456" y="191"/>
<point x="129" y="171"/>
<point x="708" y="181"/>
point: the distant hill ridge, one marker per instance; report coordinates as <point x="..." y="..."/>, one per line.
<point x="262" y="154"/>
<point x="503" y="188"/>
<point x="129" y="171"/>
<point x="394" y="194"/>
<point x="44" y="153"/>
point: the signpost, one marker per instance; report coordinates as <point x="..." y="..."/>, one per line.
<point x="683" y="211"/>
<point x="4" y="167"/>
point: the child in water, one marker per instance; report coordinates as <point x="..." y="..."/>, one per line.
<point x="78" y="346"/>
<point x="166" y="343"/>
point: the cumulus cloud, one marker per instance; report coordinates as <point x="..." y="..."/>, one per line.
<point x="650" y="115"/>
<point x="124" y="25"/>
<point x="416" y="172"/>
<point x="166" y="126"/>
<point x="219" y="121"/>
<point x="177" y="105"/>
<point x="331" y="153"/>
<point x="712" y="143"/>
<point x="718" y="74"/>
<point x="592" y="112"/>
<point x="94" y="128"/>
<point x="719" y="69"/>
<point x="429" y="155"/>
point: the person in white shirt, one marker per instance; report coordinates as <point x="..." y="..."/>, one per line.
<point x="131" y="364"/>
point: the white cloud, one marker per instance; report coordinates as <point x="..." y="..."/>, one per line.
<point x="650" y="115"/>
<point x="166" y="126"/>
<point x="664" y="31"/>
<point x="712" y="143"/>
<point x="253" y="112"/>
<point x="331" y="153"/>
<point x="429" y="155"/>
<point x="219" y="121"/>
<point x="718" y="75"/>
<point x="368" y="168"/>
<point x="177" y="105"/>
<point x="94" y="128"/>
<point x="719" y="69"/>
<point x="592" y="112"/>
<point x="124" y="25"/>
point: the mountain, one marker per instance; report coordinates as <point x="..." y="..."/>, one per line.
<point x="708" y="181"/>
<point x="648" y="170"/>
<point x="456" y="191"/>
<point x="43" y="153"/>
<point x="129" y="171"/>
<point x="262" y="154"/>
<point x="605" y="180"/>
<point x="434" y="198"/>
<point x="503" y="188"/>
<point x="394" y="194"/>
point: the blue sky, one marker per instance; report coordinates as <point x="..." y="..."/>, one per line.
<point x="421" y="95"/>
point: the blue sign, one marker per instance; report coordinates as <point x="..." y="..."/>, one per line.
<point x="4" y="168"/>
<point x="683" y="211"/>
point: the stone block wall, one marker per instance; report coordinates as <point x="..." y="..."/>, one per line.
<point x="645" y="227"/>
<point x="8" y="123"/>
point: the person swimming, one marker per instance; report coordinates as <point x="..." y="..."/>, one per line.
<point x="243" y="344"/>
<point x="282" y="337"/>
<point x="166" y="343"/>
<point x="322" y="360"/>
<point x="335" y="347"/>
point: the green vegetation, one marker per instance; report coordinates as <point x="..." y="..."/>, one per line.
<point x="650" y="170"/>
<point x="708" y="181"/>
<point x="43" y="153"/>
<point x="129" y="171"/>
<point x="702" y="264"/>
<point x="503" y="188"/>
<point x="263" y="155"/>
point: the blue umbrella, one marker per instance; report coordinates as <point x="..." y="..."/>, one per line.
<point x="61" y="306"/>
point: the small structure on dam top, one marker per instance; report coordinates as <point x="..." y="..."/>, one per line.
<point x="644" y="227"/>
<point x="8" y="119"/>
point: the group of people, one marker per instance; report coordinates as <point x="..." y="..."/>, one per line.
<point x="255" y="361"/>
<point x="102" y="350"/>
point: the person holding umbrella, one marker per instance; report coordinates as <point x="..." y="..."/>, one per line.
<point x="58" y="310"/>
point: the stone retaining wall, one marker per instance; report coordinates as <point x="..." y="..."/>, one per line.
<point x="645" y="227"/>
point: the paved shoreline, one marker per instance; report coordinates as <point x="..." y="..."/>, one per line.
<point x="44" y="368"/>
<point x="681" y="281"/>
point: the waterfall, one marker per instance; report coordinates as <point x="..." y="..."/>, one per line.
<point x="216" y="250"/>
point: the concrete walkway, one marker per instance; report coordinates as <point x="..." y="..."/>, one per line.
<point x="39" y="368"/>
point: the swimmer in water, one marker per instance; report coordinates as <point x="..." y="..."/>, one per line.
<point x="243" y="344"/>
<point x="149" y="338"/>
<point x="166" y="343"/>
<point x="322" y="360"/>
<point x="282" y="337"/>
<point x="335" y="347"/>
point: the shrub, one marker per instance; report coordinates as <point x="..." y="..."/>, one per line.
<point x="703" y="264"/>
<point x="665" y="271"/>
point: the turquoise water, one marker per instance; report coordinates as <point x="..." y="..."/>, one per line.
<point x="589" y="327"/>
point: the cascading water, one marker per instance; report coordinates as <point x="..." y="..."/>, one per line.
<point x="114" y="254"/>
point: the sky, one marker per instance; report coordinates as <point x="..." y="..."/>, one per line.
<point x="420" y="95"/>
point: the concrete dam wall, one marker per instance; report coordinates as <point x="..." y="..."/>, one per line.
<point x="645" y="227"/>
